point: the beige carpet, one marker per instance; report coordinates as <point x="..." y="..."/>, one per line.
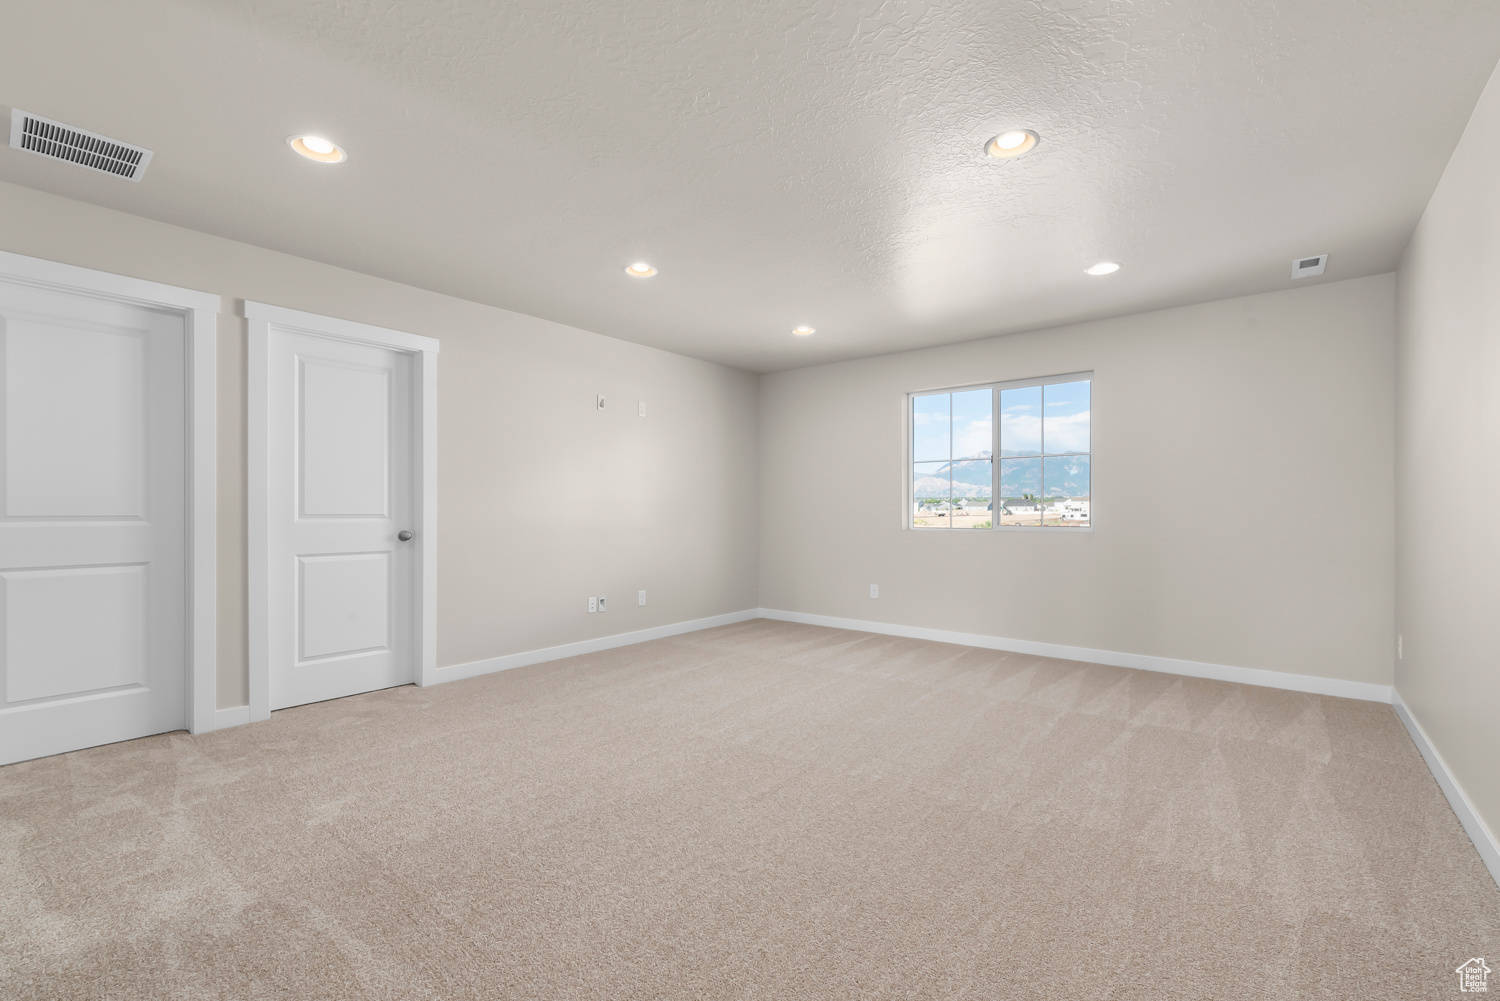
<point x="759" y="811"/>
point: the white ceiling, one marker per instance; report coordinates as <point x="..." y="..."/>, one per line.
<point x="780" y="163"/>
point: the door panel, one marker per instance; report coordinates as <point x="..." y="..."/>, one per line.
<point x="75" y="426"/>
<point x="93" y="528"/>
<point x="340" y="586"/>
<point x="74" y="630"/>
<point x="344" y="603"/>
<point x="344" y="440"/>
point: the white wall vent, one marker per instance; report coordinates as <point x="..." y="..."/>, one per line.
<point x="1309" y="267"/>
<point x="57" y="141"/>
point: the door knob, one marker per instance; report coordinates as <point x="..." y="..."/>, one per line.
<point x="404" y="535"/>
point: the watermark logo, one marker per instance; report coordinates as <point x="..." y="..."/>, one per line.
<point x="1474" y="976"/>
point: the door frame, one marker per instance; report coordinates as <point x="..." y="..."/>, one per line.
<point x="200" y="317"/>
<point x="264" y="319"/>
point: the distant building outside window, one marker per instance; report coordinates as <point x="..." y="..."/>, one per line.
<point x="1028" y="469"/>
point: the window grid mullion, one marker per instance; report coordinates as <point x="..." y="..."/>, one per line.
<point x="950" y="460"/>
<point x="994" y="457"/>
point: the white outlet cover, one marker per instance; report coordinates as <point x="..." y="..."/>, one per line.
<point x="641" y="408"/>
<point x="640" y="598"/>
<point x="599" y="402"/>
<point x="874" y="590"/>
<point x="593" y="605"/>
<point x="601" y="602"/>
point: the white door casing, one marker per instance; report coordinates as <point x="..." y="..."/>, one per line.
<point x="107" y="586"/>
<point x="342" y="460"/>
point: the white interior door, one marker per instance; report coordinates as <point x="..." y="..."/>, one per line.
<point x="341" y="490"/>
<point x="93" y="531"/>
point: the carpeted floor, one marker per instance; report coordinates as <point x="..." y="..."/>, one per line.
<point x="758" y="811"/>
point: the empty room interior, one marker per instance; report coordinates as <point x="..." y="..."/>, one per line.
<point x="597" y="500"/>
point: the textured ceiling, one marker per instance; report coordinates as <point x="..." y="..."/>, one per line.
<point x="780" y="163"/>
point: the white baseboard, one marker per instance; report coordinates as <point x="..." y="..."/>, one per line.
<point x="1191" y="668"/>
<point x="1194" y="669"/>
<point x="240" y="715"/>
<point x="1478" y="831"/>
<point x="474" y="668"/>
<point x="236" y="716"/>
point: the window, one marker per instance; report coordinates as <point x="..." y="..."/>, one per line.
<point x="952" y="441"/>
<point x="1028" y="469"/>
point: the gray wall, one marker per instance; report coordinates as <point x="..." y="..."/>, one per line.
<point x="1448" y="463"/>
<point x="1243" y="470"/>
<point x="542" y="500"/>
<point x="1242" y="489"/>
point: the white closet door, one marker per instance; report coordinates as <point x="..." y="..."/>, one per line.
<point x="93" y="533"/>
<point x="341" y="490"/>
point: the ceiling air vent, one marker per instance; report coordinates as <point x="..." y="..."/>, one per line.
<point x="57" y="141"/>
<point x="1309" y="267"/>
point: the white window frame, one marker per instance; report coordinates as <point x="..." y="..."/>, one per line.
<point x="907" y="500"/>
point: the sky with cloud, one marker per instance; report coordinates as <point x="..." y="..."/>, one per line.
<point x="1034" y="421"/>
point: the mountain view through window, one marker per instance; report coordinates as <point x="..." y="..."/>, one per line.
<point x="1041" y="475"/>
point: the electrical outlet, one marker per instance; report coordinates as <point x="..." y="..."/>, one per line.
<point x="601" y="602"/>
<point x="1398" y="646"/>
<point x="593" y="605"/>
<point x="599" y="402"/>
<point x="874" y="590"/>
<point x="641" y="408"/>
<point x="640" y="597"/>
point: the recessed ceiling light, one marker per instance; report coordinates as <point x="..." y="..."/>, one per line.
<point x="315" y="148"/>
<point x="1016" y="142"/>
<point x="640" y="269"/>
<point x="803" y="331"/>
<point x="1103" y="268"/>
